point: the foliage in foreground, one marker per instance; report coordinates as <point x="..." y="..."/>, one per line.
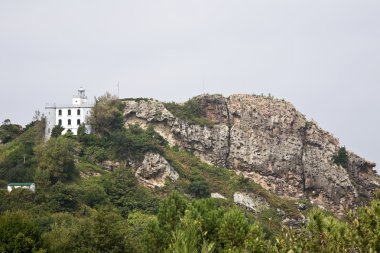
<point x="181" y="225"/>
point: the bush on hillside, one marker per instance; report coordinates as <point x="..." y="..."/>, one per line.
<point x="341" y="158"/>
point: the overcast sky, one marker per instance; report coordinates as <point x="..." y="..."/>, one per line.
<point x="323" y="56"/>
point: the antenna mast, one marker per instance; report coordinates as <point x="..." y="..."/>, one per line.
<point x="118" y="90"/>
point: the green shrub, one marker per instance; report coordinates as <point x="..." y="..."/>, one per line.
<point x="126" y="194"/>
<point x="8" y="132"/>
<point x="93" y="194"/>
<point x="199" y="188"/>
<point x="107" y="115"/>
<point x="341" y="158"/>
<point x="57" y="131"/>
<point x="63" y="198"/>
<point x="134" y="142"/>
<point x="190" y="111"/>
<point x="234" y="229"/>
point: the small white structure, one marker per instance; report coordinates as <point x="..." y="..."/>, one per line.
<point x="29" y="186"/>
<point x="70" y="117"/>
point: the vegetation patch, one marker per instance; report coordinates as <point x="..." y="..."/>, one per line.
<point x="341" y="158"/>
<point x="137" y="99"/>
<point x="189" y="111"/>
<point x="112" y="212"/>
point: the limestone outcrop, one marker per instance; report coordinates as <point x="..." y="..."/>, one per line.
<point x="217" y="195"/>
<point x="155" y="170"/>
<point x="268" y="140"/>
<point x="254" y="204"/>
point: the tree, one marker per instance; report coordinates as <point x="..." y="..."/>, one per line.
<point x="7" y="122"/>
<point x="187" y="236"/>
<point x="366" y="228"/>
<point x="233" y="229"/>
<point x="55" y="158"/>
<point x="81" y="130"/>
<point x="170" y="213"/>
<point x="57" y="131"/>
<point x="18" y="233"/>
<point x="9" y="132"/>
<point x="63" y="198"/>
<point x="93" y="194"/>
<point x="107" y="115"/>
<point x="102" y="232"/>
<point x="143" y="232"/>
<point x="210" y="215"/>
<point x="108" y="234"/>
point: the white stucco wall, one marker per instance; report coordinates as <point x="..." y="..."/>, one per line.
<point x="59" y="115"/>
<point x="32" y="187"/>
<point x="50" y="121"/>
<point x="70" y="122"/>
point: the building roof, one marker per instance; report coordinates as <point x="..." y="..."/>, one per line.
<point x="54" y="106"/>
<point x="20" y="184"/>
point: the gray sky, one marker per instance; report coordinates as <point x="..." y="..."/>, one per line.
<point x="323" y="56"/>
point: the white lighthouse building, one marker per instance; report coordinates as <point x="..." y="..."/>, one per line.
<point x="70" y="117"/>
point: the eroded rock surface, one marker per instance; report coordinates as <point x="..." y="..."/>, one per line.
<point x="269" y="141"/>
<point x="254" y="204"/>
<point x="155" y="170"/>
<point x="216" y="195"/>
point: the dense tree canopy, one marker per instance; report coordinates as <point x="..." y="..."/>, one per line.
<point x="55" y="159"/>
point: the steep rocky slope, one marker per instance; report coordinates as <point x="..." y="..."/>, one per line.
<point x="267" y="140"/>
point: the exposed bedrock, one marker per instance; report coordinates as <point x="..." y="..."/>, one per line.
<point x="269" y="141"/>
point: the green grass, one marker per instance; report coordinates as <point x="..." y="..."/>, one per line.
<point x="90" y="167"/>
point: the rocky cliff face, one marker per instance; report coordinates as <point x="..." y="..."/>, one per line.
<point x="269" y="141"/>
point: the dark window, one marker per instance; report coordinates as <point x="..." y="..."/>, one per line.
<point x="69" y="122"/>
<point x="60" y="122"/>
<point x="78" y="122"/>
<point x="69" y="112"/>
<point x="59" y="112"/>
<point x="78" y="112"/>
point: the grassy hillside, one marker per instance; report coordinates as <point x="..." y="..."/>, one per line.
<point x="81" y="205"/>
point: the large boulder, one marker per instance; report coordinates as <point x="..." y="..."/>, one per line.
<point x="155" y="170"/>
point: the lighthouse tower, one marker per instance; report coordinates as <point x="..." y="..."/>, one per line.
<point x="80" y="98"/>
